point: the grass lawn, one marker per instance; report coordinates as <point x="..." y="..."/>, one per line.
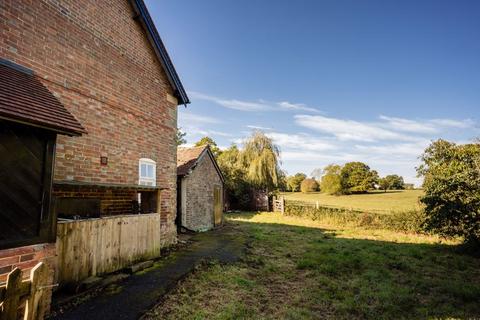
<point x="375" y="201"/>
<point x="301" y="269"/>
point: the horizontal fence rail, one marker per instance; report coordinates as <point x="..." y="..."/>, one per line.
<point x="319" y="205"/>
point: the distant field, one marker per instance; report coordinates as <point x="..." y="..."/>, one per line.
<point x="376" y="201"/>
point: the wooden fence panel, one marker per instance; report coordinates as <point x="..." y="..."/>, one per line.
<point x="33" y="292"/>
<point x="36" y="307"/>
<point x="87" y="248"/>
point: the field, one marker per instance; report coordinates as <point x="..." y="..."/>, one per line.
<point x="301" y="269"/>
<point x="376" y="201"/>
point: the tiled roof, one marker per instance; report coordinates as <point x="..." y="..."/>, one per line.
<point x="23" y="98"/>
<point x="187" y="158"/>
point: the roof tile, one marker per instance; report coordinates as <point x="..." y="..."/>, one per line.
<point x="187" y="158"/>
<point x="24" y="98"/>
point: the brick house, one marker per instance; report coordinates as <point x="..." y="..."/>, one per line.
<point x="200" y="189"/>
<point x="104" y="63"/>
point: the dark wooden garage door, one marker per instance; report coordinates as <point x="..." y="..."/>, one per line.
<point x="25" y="178"/>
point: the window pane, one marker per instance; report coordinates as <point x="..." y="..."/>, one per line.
<point x="143" y="170"/>
<point x="150" y="171"/>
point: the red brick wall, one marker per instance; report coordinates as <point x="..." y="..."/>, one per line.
<point x="96" y="59"/>
<point x="26" y="258"/>
<point x="113" y="201"/>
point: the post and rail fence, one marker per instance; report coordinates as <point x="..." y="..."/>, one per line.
<point x="25" y="298"/>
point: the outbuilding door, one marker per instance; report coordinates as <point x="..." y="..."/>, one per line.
<point x="26" y="156"/>
<point x="217" y="204"/>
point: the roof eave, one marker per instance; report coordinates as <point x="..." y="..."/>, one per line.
<point x="160" y="50"/>
<point x="59" y="130"/>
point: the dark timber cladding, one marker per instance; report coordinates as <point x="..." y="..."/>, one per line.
<point x="30" y="118"/>
<point x="26" y="155"/>
<point x="24" y="99"/>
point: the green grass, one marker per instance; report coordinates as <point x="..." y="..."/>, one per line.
<point x="375" y="201"/>
<point x="296" y="268"/>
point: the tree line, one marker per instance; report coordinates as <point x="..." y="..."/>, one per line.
<point x="352" y="177"/>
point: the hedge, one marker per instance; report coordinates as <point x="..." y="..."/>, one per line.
<point x="405" y="221"/>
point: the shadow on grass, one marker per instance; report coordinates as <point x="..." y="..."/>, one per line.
<point x="369" y="279"/>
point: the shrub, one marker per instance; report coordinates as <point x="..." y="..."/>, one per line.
<point x="407" y="221"/>
<point x="309" y="185"/>
<point x="452" y="190"/>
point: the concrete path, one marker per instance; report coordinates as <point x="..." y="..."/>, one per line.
<point x="132" y="297"/>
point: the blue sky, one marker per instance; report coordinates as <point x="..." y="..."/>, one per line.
<point x="329" y="81"/>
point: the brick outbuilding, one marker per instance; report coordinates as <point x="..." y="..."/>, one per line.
<point x="200" y="189"/>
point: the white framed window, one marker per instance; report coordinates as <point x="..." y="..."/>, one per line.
<point x="147" y="172"/>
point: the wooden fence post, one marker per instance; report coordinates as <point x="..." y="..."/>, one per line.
<point x="317" y="205"/>
<point x="36" y="307"/>
<point x="282" y="199"/>
<point x="12" y="295"/>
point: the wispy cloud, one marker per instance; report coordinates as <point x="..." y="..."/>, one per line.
<point x="461" y="124"/>
<point x="188" y="118"/>
<point x="252" y="106"/>
<point x="258" y="127"/>
<point x="349" y="129"/>
<point x="231" y="103"/>
<point x="387" y="129"/>
<point x="425" y="126"/>
<point x="296" y="107"/>
<point x="413" y="150"/>
<point x="408" y="125"/>
<point x="196" y="125"/>
<point x="301" y="141"/>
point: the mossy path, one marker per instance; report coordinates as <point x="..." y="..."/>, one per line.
<point x="131" y="298"/>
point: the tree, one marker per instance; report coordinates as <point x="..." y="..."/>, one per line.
<point x="452" y="189"/>
<point x="309" y="185"/>
<point x="395" y="182"/>
<point x="384" y="184"/>
<point x="282" y="181"/>
<point x="260" y="156"/>
<point x="409" y="186"/>
<point x="238" y="189"/>
<point x="331" y="182"/>
<point x="357" y="177"/>
<point x="294" y="182"/>
<point x="391" y="182"/>
<point x="180" y="137"/>
<point x="211" y="143"/>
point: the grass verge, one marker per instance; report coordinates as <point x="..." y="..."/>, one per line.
<point x="296" y="268"/>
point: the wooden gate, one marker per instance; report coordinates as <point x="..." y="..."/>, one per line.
<point x="279" y="205"/>
<point x="217" y="207"/>
<point x="31" y="293"/>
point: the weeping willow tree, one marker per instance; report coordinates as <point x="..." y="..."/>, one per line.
<point x="261" y="160"/>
